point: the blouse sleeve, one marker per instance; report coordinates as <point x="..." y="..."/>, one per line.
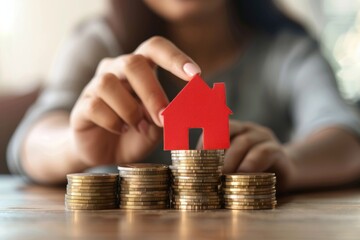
<point x="314" y="99"/>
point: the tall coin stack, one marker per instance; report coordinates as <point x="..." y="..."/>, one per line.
<point x="196" y="179"/>
<point x="144" y="186"/>
<point x="249" y="191"/>
<point x="91" y="191"/>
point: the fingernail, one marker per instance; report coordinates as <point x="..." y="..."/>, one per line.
<point x="191" y="69"/>
<point x="143" y="126"/>
<point x="124" y="128"/>
<point x="161" y="117"/>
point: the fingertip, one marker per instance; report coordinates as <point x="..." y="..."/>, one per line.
<point x="161" y="117"/>
<point x="191" y="69"/>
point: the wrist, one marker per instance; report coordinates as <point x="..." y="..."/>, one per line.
<point x="291" y="178"/>
<point x="75" y="162"/>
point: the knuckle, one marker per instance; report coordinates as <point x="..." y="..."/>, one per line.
<point x="245" y="141"/>
<point x="131" y="114"/>
<point x="177" y="59"/>
<point x="264" y="151"/>
<point x="105" y="81"/>
<point x="112" y="122"/>
<point x="267" y="131"/>
<point x="152" y="100"/>
<point x="154" y="41"/>
<point x="104" y="63"/>
<point x="133" y="62"/>
<point x="93" y="105"/>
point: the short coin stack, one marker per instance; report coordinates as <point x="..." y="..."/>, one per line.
<point x="249" y="191"/>
<point x="196" y="179"/>
<point x="91" y="191"/>
<point x="144" y="186"/>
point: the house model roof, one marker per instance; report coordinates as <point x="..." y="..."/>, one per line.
<point x="197" y="106"/>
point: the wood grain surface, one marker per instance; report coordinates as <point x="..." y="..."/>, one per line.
<point x="36" y="212"/>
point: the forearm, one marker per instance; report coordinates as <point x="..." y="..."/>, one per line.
<point x="47" y="154"/>
<point x="328" y="158"/>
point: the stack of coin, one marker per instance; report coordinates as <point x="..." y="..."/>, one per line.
<point x="196" y="179"/>
<point x="249" y="191"/>
<point x="144" y="186"/>
<point x="91" y="191"/>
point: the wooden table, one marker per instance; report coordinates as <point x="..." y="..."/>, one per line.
<point x="35" y="212"/>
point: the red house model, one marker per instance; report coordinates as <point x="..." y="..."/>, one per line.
<point x="197" y="106"/>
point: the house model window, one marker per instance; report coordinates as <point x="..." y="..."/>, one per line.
<point x="197" y="106"/>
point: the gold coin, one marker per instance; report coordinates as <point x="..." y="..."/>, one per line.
<point x="195" y="191"/>
<point x="147" y="193"/>
<point x="146" y="203"/>
<point x="139" y="181"/>
<point x="143" y="190"/>
<point x="199" y="178"/>
<point x="153" y="207"/>
<point x="90" y="205"/>
<point x="195" y="199"/>
<point x="201" y="155"/>
<point x="146" y="185"/>
<point x="197" y="187"/>
<point x="91" y="194"/>
<point x="177" y="197"/>
<point x="251" y="203"/>
<point x="94" y="176"/>
<point x="233" y="207"/>
<point x="143" y="167"/>
<point x="273" y="180"/>
<point x="82" y="207"/>
<point x="196" y="176"/>
<point x="196" y="207"/>
<point x="195" y="172"/>
<point x="91" y="188"/>
<point x="249" y="175"/>
<point x="106" y="201"/>
<point x="92" y="191"/>
<point x="83" y="180"/>
<point x="143" y="195"/>
<point x="200" y="202"/>
<point x="236" y="196"/>
<point x="249" y="200"/>
<point x="67" y="196"/>
<point x="145" y="199"/>
<point x="190" y="192"/>
<point x="196" y="151"/>
<point x="183" y="203"/>
<point x="92" y="184"/>
<point x="196" y="163"/>
<point x="241" y="184"/>
<point x="194" y="187"/>
<point x="198" y="158"/>
<point x="144" y="179"/>
<point x="213" y="168"/>
<point x="254" y="189"/>
<point x="249" y="193"/>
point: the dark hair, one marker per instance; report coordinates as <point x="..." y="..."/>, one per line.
<point x="264" y="15"/>
<point x="133" y="22"/>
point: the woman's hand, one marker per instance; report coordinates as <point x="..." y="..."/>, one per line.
<point x="254" y="148"/>
<point x="117" y="117"/>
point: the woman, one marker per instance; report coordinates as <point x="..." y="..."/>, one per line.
<point x="114" y="77"/>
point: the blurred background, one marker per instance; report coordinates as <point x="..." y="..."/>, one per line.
<point x="31" y="31"/>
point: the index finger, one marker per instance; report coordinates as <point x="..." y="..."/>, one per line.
<point x="165" y="54"/>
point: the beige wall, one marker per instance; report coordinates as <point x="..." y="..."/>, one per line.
<point x="30" y="33"/>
